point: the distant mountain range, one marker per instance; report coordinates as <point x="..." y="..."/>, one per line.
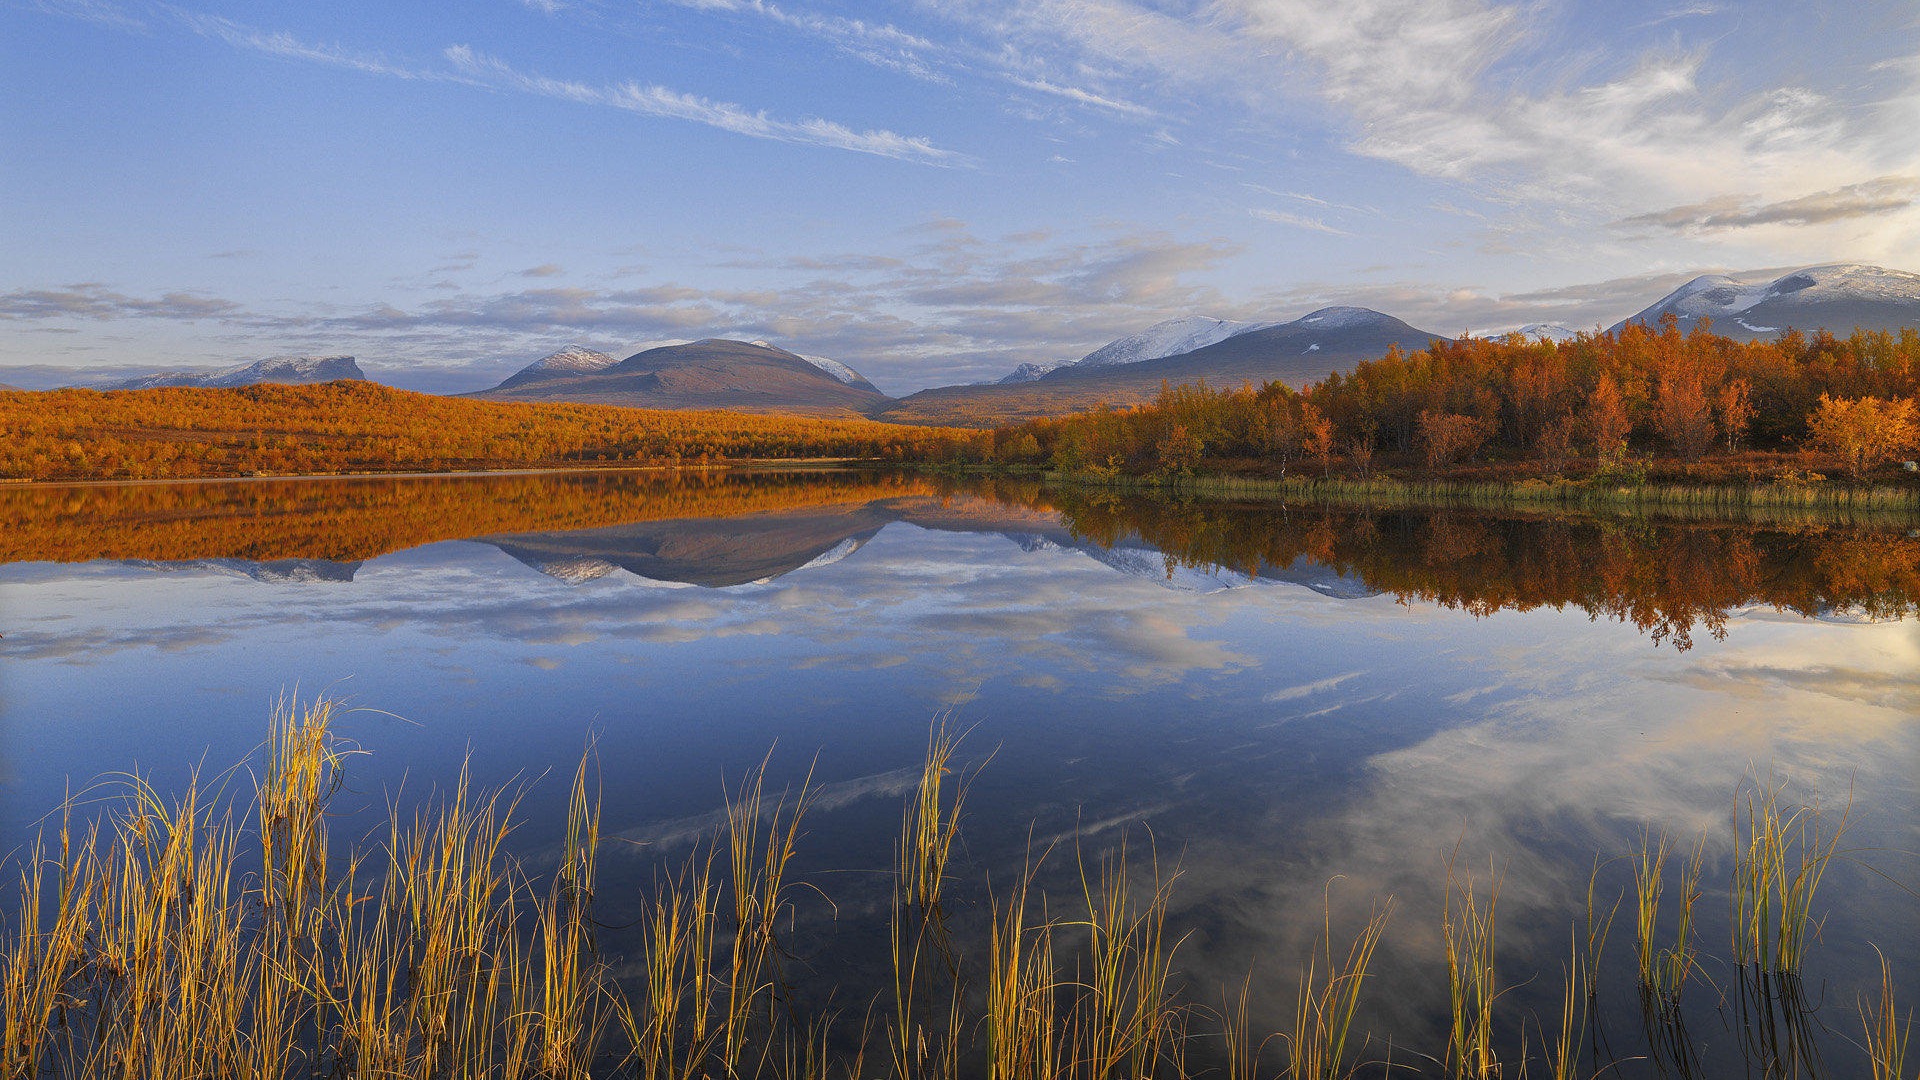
<point x="715" y="373"/>
<point x="757" y="548"/>
<point x="1133" y="368"/>
<point x="1840" y="297"/>
<point x="755" y="376"/>
<point x="274" y="369"/>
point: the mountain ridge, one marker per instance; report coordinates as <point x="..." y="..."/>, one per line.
<point x="712" y="373"/>
<point x="289" y="370"/>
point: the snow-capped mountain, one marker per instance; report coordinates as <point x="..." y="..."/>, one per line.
<point x="1839" y="297"/>
<point x="1547" y="332"/>
<point x="570" y="361"/>
<point x="1026" y="373"/>
<point x="273" y="369"/>
<point x="1169" y="337"/>
<point x="834" y="368"/>
<point x="712" y="373"/>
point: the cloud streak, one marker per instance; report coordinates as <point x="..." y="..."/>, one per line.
<point x="92" y="300"/>
<point x="1872" y="198"/>
<point x="659" y="101"/>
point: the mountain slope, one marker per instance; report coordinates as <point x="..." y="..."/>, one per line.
<point x="568" y="362"/>
<point x="293" y="370"/>
<point x="1298" y="352"/>
<point x="715" y="373"/>
<point x="1167" y="338"/>
<point x="1839" y="297"/>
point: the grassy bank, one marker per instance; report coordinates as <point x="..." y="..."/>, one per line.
<point x="210" y="934"/>
<point x="1757" y="501"/>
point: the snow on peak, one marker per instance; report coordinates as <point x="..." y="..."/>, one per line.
<point x="273" y="369"/>
<point x="833" y="554"/>
<point x="1850" y="281"/>
<point x="1170" y="337"/>
<point x="1027" y="373"/>
<point x="1721" y="297"/>
<point x="1340" y="318"/>
<point x="1547" y="332"/>
<point x="574" y="359"/>
<point x="832" y="367"/>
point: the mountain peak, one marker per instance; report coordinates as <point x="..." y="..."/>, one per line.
<point x="1342" y="317"/>
<point x="1168" y="337"/>
<point x="294" y="370"/>
<point x="1837" y="296"/>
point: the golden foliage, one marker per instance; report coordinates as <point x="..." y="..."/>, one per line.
<point x="361" y="518"/>
<point x="1656" y="390"/>
<point x="361" y="427"/>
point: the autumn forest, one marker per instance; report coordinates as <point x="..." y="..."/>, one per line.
<point x="1609" y="407"/>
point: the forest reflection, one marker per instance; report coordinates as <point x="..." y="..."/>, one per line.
<point x="1671" y="577"/>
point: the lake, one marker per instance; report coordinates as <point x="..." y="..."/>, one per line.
<point x="1299" y="710"/>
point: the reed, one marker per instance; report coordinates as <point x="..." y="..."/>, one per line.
<point x="1329" y="1000"/>
<point x="921" y="948"/>
<point x="1125" y="1020"/>
<point x="1886" y="1030"/>
<point x="221" y="932"/>
<point x="1780" y="857"/>
<point x="1468" y="926"/>
<point x="1664" y="971"/>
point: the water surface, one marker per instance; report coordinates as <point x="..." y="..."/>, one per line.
<point x="1284" y="703"/>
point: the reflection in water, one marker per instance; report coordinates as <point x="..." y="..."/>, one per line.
<point x="1279" y="695"/>
<point x="1665" y="576"/>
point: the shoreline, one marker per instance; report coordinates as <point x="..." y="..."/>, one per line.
<point x="759" y="464"/>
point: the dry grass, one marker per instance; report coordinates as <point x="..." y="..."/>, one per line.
<point x="220" y="933"/>
<point x="1780" y="856"/>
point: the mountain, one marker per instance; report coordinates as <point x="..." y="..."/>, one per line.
<point x="1026" y="373"/>
<point x="10" y="386"/>
<point x="714" y="373"/>
<point x="832" y="367"/>
<point x="274" y="369"/>
<point x="570" y="361"/>
<point x="1298" y="352"/>
<point x="1839" y="297"/>
<point x="1170" y="337"/>
<point x="1547" y="332"/>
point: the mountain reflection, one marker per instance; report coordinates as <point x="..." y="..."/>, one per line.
<point x="1670" y="577"/>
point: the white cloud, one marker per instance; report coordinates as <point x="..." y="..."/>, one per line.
<point x="662" y="102"/>
<point x="1298" y="221"/>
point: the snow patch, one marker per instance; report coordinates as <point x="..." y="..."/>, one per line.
<point x="1170" y="337"/>
<point x="832" y="367"/>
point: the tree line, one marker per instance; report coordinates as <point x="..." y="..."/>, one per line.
<point x="1590" y="403"/>
<point x="352" y="426"/>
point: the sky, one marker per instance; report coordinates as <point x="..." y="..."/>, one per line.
<point x="932" y="192"/>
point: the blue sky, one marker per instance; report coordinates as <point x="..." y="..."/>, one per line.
<point x="931" y="192"/>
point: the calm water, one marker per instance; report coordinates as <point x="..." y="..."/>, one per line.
<point x="1284" y="703"/>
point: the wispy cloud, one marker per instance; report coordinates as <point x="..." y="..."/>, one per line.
<point x="1298" y="221"/>
<point x="1086" y="97"/>
<point x="659" y="101"/>
<point x="91" y="300"/>
<point x="1873" y="198"/>
<point x="283" y="44"/>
